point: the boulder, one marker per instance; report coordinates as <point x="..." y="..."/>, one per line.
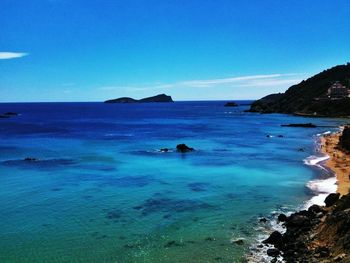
<point x="183" y="148"/>
<point x="282" y="218"/>
<point x="298" y="221"/>
<point x="273" y="252"/>
<point x="274" y="238"/>
<point x="331" y="199"/>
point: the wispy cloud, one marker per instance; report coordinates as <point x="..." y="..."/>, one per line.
<point x="254" y="80"/>
<point x="10" y="55"/>
<point x="267" y="80"/>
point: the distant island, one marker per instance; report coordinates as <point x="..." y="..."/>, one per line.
<point x="326" y="94"/>
<point x="157" y="98"/>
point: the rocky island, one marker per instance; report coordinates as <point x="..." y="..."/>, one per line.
<point x="157" y="98"/>
<point x="326" y="94"/>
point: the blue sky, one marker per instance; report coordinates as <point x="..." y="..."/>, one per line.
<point x="75" y="50"/>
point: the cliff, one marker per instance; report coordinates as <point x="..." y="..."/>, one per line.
<point x="157" y="98"/>
<point x="344" y="140"/>
<point x="309" y="97"/>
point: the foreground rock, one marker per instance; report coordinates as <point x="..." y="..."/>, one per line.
<point x="183" y="148"/>
<point x="157" y="98"/>
<point x="319" y="234"/>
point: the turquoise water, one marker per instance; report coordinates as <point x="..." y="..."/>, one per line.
<point x="102" y="192"/>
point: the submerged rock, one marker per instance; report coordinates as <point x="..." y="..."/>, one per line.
<point x="164" y="150"/>
<point x="183" y="148"/>
<point x="263" y="220"/>
<point x="31" y="159"/>
<point x="238" y="241"/>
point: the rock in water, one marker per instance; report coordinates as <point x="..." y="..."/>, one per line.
<point x="183" y="148"/>
<point x="11" y="114"/>
<point x="164" y="150"/>
<point x="231" y="104"/>
<point x="282" y="218"/>
<point x="301" y="125"/>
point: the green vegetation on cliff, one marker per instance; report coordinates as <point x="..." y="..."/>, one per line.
<point x="309" y="96"/>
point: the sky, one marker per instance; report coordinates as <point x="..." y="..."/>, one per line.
<point x="79" y="50"/>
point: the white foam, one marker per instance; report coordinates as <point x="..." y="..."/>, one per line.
<point x="315" y="160"/>
<point x="322" y="188"/>
<point x="325" y="133"/>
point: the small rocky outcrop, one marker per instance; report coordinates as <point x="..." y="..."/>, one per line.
<point x="319" y="234"/>
<point x="9" y="114"/>
<point x="183" y="148"/>
<point x="231" y="104"/>
<point x="301" y="125"/>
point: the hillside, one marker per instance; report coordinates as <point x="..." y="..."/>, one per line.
<point x="309" y="96"/>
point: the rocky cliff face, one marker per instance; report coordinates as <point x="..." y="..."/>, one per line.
<point x="157" y="98"/>
<point x="309" y="96"/>
<point x="345" y="139"/>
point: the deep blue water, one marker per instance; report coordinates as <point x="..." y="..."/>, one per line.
<point x="100" y="190"/>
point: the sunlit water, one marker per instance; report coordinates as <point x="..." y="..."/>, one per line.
<point x="102" y="192"/>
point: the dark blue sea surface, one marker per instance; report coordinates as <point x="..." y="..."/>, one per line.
<point x="99" y="189"/>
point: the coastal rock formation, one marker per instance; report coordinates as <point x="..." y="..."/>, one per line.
<point x="345" y="139"/>
<point x="157" y="98"/>
<point x="319" y="234"/>
<point x="309" y="97"/>
<point x="183" y="148"/>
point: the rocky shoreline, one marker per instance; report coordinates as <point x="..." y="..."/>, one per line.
<point x="322" y="233"/>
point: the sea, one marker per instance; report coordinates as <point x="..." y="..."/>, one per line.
<point x="95" y="186"/>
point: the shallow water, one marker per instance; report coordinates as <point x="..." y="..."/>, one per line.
<point x="101" y="191"/>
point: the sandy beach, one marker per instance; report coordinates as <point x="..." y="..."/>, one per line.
<point x="339" y="161"/>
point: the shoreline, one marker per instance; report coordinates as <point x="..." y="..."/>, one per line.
<point x="338" y="161"/>
<point x="336" y="179"/>
<point x="308" y="235"/>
